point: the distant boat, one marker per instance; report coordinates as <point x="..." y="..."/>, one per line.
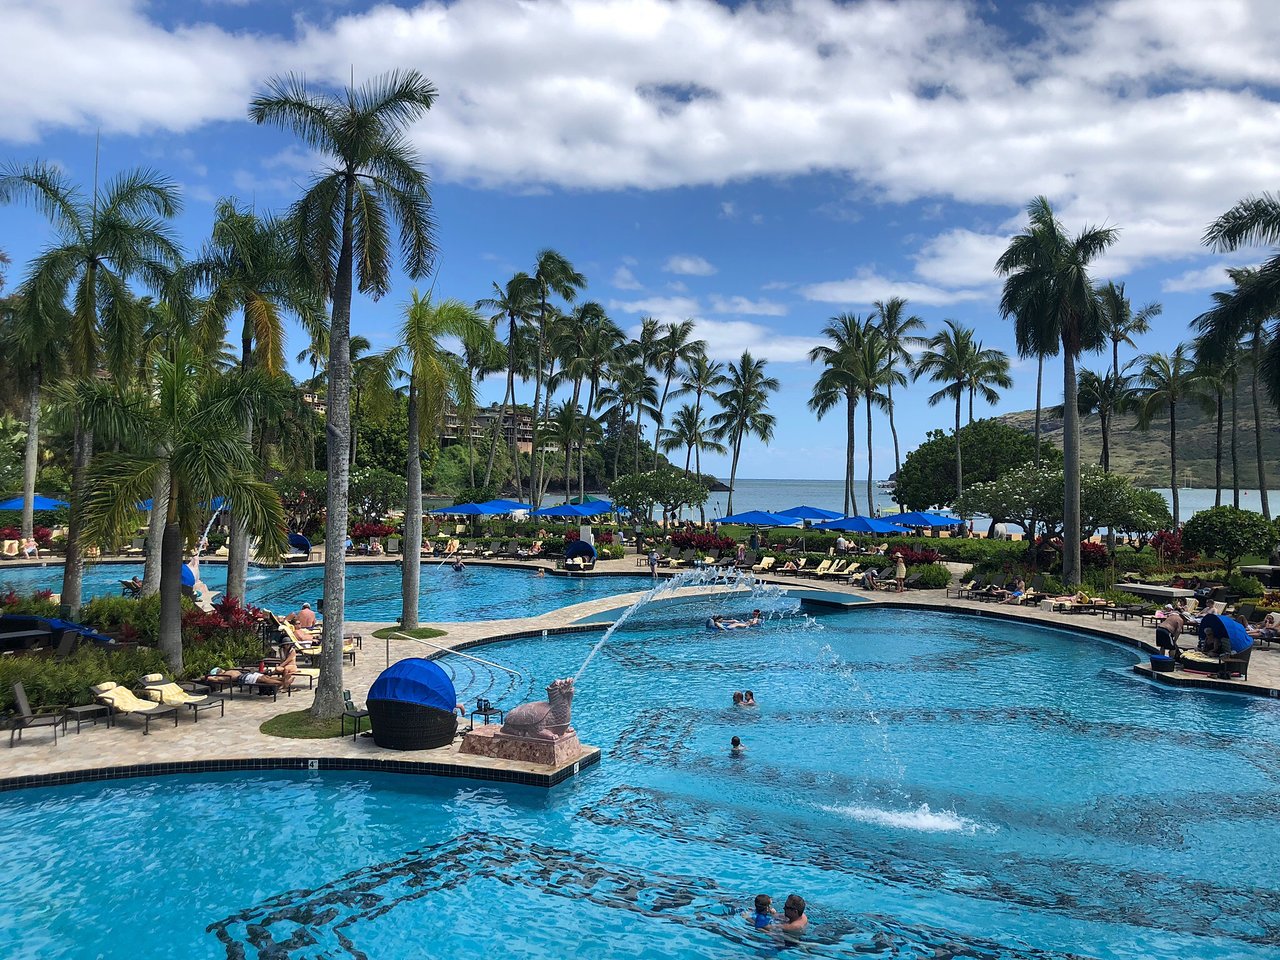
<point x="889" y="485"/>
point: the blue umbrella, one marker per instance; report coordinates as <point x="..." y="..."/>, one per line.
<point x="810" y="513"/>
<point x="1233" y="630"/>
<point x="567" y="510"/>
<point x="462" y="510"/>
<point x="504" y="506"/>
<point x="759" y="518"/>
<point x="38" y="502"/>
<point x="188" y="576"/>
<point x="922" y="518"/>
<point x="861" y="525"/>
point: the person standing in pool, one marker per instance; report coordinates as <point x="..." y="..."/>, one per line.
<point x="458" y="565"/>
<point x="653" y="564"/>
<point x="794" y="919"/>
<point x="748" y="698"/>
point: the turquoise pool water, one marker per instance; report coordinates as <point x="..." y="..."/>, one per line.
<point x="935" y="786"/>
<point x="373" y="589"/>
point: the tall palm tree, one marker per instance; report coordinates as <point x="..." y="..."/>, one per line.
<point x="633" y="393"/>
<point x="744" y="406"/>
<point x="901" y="333"/>
<point x="1214" y="373"/>
<point x="567" y="427"/>
<point x="482" y="355"/>
<point x="1119" y="323"/>
<point x="187" y="422"/>
<point x="372" y="181"/>
<point x="1166" y="379"/>
<point x="1034" y="337"/>
<point x="32" y="340"/>
<point x="553" y="274"/>
<point x="872" y="374"/>
<point x="249" y="266"/>
<point x="105" y="240"/>
<point x="1105" y="395"/>
<point x="515" y="303"/>
<point x="372" y="392"/>
<point x="1047" y="289"/>
<point x="990" y="370"/>
<point x="675" y="348"/>
<point x="949" y="358"/>
<point x="838" y="382"/>
<point x="438" y="379"/>
<point x="701" y="376"/>
<point x="1239" y="319"/>
<point x="690" y="432"/>
<point x="585" y="343"/>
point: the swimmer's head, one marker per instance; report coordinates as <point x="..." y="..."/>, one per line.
<point x="737" y="698"/>
<point x="763" y="902"/>
<point x="794" y="906"/>
<point x="737" y="742"/>
<point x="748" y="695"/>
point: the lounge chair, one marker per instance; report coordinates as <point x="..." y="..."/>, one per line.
<point x="817" y="571"/>
<point x="393" y="545"/>
<point x="748" y="560"/>
<point x="137" y="548"/>
<point x="160" y="689"/>
<point x="122" y="701"/>
<point x="795" y="571"/>
<point x="28" y="719"/>
<point x="765" y="565"/>
<point x="961" y="588"/>
<point x="835" y="570"/>
<point x="10" y="549"/>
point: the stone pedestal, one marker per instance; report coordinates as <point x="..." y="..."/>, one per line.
<point x="489" y="741"/>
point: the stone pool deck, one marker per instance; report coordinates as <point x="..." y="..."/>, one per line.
<point x="234" y="741"/>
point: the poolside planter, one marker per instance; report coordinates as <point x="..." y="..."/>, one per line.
<point x="411" y="706"/>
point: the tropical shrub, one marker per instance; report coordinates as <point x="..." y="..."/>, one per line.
<point x="933" y="576"/>
<point x="1094" y="554"/>
<point x="1168" y="544"/>
<point x="125" y="617"/>
<point x="917" y="556"/>
<point x="1229" y="533"/>
<point x="685" y="540"/>
<point x="43" y="535"/>
<point x="1244" y="586"/>
<point x="66" y="682"/>
<point x="371" y="531"/>
<point x="38" y="603"/>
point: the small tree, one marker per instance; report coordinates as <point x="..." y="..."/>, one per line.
<point x="989" y="449"/>
<point x="1228" y="533"/>
<point x="666" y="487"/>
<point x="374" y="492"/>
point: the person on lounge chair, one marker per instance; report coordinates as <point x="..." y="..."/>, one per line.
<point x="30" y="549"/>
<point x="1016" y="592"/>
<point x="304" y="624"/>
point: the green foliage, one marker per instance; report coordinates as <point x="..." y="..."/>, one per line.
<point x="1244" y="586"/>
<point x="129" y="618"/>
<point x="66" y="682"/>
<point x="302" y="725"/>
<point x="303" y="498"/>
<point x="35" y="604"/>
<point x="988" y="448"/>
<point x="13" y="439"/>
<point x="53" y="479"/>
<point x="382" y="442"/>
<point x="666" y="487"/>
<point x="613" y="551"/>
<point x="933" y="576"/>
<point x="374" y="493"/>
<point x="1228" y="533"/>
<point x="231" y="648"/>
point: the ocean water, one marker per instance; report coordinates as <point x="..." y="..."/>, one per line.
<point x="935" y="786"/>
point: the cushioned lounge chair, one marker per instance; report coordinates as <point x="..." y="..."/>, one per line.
<point x="765" y="565"/>
<point x="1222" y="667"/>
<point x="28" y="719"/>
<point x="122" y="701"/>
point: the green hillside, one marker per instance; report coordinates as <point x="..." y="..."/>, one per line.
<point x="1144" y="455"/>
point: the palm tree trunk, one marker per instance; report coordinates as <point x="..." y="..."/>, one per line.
<point x="1071" y="472"/>
<point x="617" y="446"/>
<point x="152" y="566"/>
<point x="848" y="454"/>
<point x="537" y="463"/>
<point x="688" y="457"/>
<point x="1115" y="359"/>
<point x="1039" y="389"/>
<point x="31" y="455"/>
<point x="328" y="699"/>
<point x="851" y="411"/>
<point x="959" y="458"/>
<point x="1173" y="461"/>
<point x="238" y="544"/>
<point x="697" y="466"/>
<point x="568" y="472"/>
<point x="1104" y="421"/>
<point x="636" y="466"/>
<point x="657" y="423"/>
<point x="871" y="510"/>
<point x="971" y="392"/>
<point x="1235" y="441"/>
<point x="1217" y="450"/>
<point x="411" y="564"/>
<point x="1257" y="426"/>
<point x="171" y="586"/>
<point x="73" y="569"/>
<point x="897" y="456"/>
<point x="468" y="425"/>
<point x="733" y="473"/>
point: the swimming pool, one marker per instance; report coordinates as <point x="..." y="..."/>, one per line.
<point x="373" y="589"/>
<point x="934" y="786"/>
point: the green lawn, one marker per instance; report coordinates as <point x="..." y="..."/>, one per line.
<point x="418" y="633"/>
<point x="300" y="725"/>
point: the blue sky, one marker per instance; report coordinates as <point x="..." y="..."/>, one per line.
<point x="757" y="168"/>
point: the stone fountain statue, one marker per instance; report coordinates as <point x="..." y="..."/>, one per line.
<point x="539" y="732"/>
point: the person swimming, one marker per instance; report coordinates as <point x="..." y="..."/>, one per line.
<point x="763" y="914"/>
<point x="736" y="747"/>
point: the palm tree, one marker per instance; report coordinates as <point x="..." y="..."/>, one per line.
<point x="1119" y="323"/>
<point x="674" y="349"/>
<point x="1106" y="396"/>
<point x="32" y="339"/>
<point x="744" y="405"/>
<point x="188" y="423"/>
<point x="515" y="304"/>
<point x="837" y="382"/>
<point x="1165" y="380"/>
<point x="372" y="393"/>
<point x="949" y="358"/>
<point x="701" y="376"/>
<point x="1047" y="290"/>
<point x="553" y="273"/>
<point x="482" y="355"/>
<point x="1215" y="374"/>
<point x="249" y="266"/>
<point x="373" y="179"/>
<point x="990" y="370"/>
<point x="106" y="240"/>
<point x="690" y="432"/>
<point x="1239" y="319"/>
<point x="900" y="333"/>
<point x="437" y="379"/>
<point x="633" y="393"/>
<point x="567" y="427"/>
<point x="872" y="371"/>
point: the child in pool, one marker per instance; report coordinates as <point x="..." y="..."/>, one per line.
<point x="764" y="913"/>
<point x="736" y="747"/>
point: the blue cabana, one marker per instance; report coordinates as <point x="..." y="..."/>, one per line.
<point x="1233" y="630"/>
<point x="300" y="543"/>
<point x="759" y="518"/>
<point x="810" y="513"/>
<point x="861" y="525"/>
<point x="579" y="548"/>
<point x="922" y="518"/>
<point x="38" y="502"/>
<point x="415" y="680"/>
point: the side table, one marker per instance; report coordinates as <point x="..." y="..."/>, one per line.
<point x="89" y="713"/>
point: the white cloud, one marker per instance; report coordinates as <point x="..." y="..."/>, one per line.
<point x="726" y="339"/>
<point x="667" y="309"/>
<point x="624" y="279"/>
<point x="736" y="304"/>
<point x="961" y="258"/>
<point x="728" y="210"/>
<point x="866" y="287"/>
<point x="1142" y="113"/>
<point x="689" y="265"/>
<point x="1212" y="277"/>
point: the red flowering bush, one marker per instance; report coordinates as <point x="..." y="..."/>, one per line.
<point x="1168" y="544"/>
<point x="228" y="616"/>
<point x="366" y="530"/>
<point x="1094" y="555"/>
<point x="43" y="535"/>
<point x="917" y="556"/>
<point x="572" y="535"/>
<point x="701" y="541"/>
<point x="605" y="538"/>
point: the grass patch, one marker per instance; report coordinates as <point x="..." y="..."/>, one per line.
<point x="418" y="633"/>
<point x="301" y="725"/>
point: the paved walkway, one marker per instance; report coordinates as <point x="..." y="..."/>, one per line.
<point x="236" y="736"/>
